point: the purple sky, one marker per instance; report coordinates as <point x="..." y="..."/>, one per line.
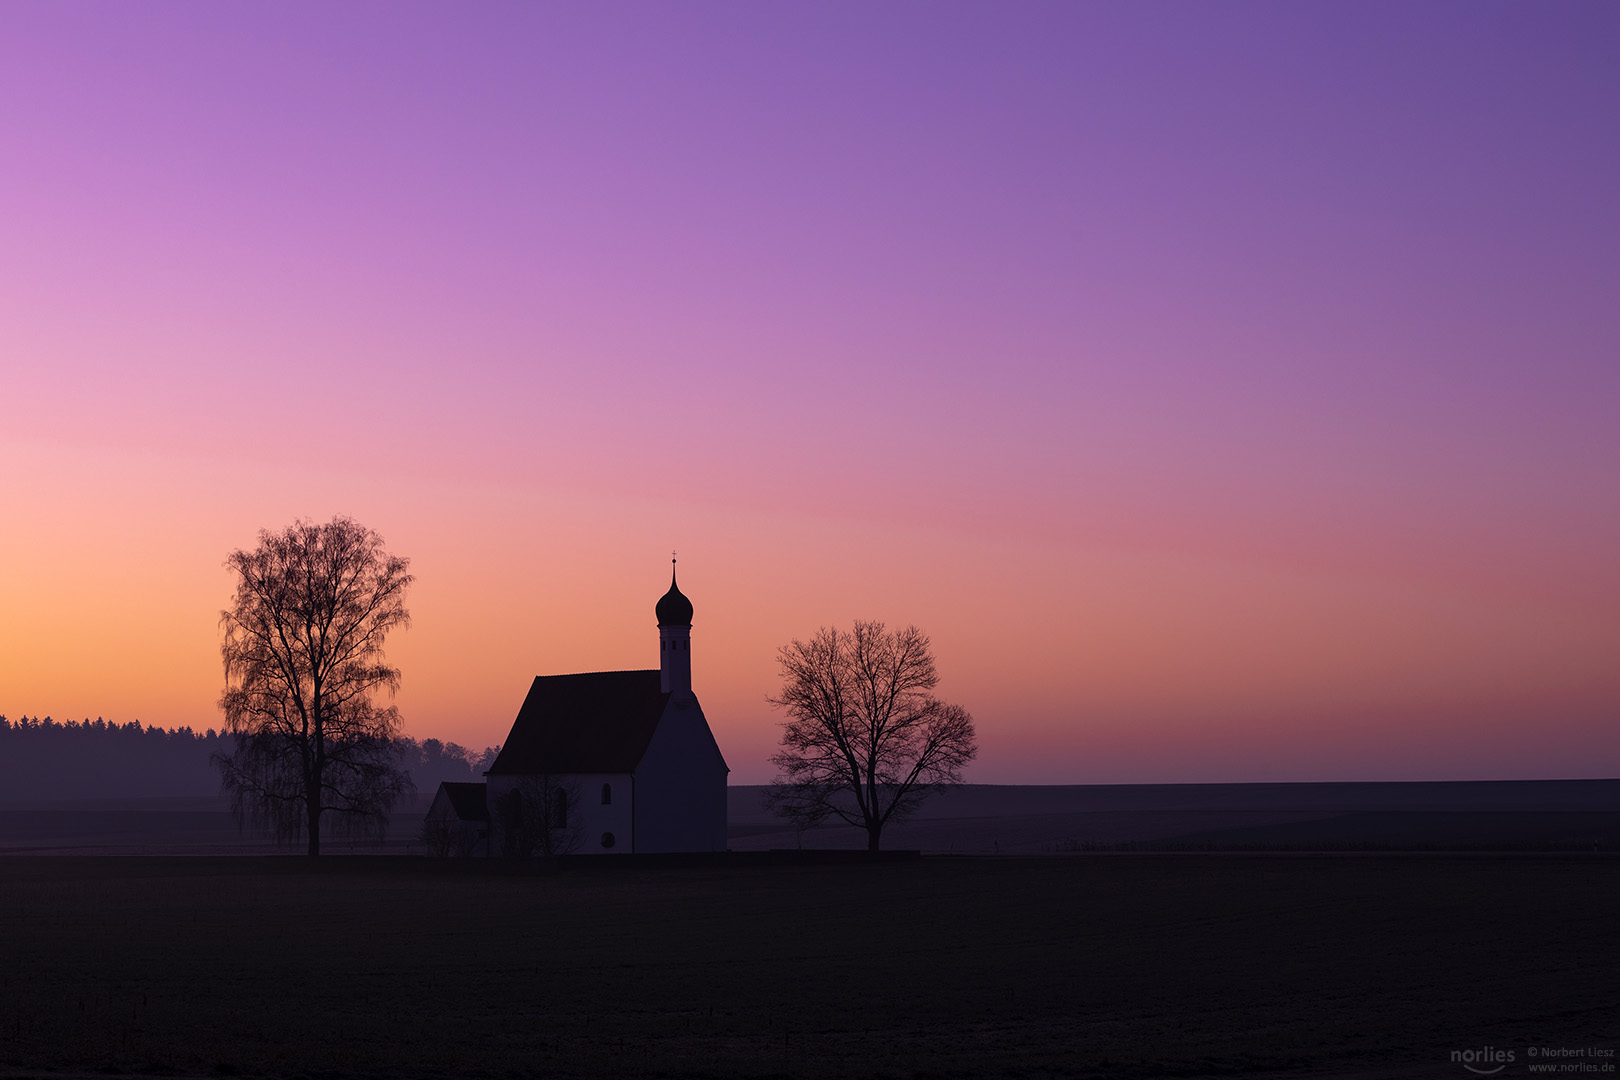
<point x="996" y="318"/>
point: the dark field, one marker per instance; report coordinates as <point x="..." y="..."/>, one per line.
<point x="1127" y="965"/>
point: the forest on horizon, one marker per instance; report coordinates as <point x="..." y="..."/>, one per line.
<point x="43" y="759"/>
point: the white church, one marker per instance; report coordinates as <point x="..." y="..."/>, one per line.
<point x="631" y="749"/>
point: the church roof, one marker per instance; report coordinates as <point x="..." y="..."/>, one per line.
<point x="595" y="722"/>
<point x="467" y="801"/>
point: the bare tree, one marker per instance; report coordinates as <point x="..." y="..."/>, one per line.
<point x="445" y="839"/>
<point x="304" y="663"/>
<point x="540" y="817"/>
<point x="438" y="836"/>
<point x="864" y="740"/>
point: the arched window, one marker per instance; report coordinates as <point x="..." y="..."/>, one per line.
<point x="607" y="794"/>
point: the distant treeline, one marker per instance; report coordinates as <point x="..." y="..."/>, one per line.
<point x="430" y="762"/>
<point x="45" y="759"/>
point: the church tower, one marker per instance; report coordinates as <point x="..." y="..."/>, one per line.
<point x="674" y="639"/>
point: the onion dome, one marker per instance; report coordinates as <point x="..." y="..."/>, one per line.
<point x="674" y="609"/>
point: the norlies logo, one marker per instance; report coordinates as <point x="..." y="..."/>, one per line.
<point x="1486" y="1061"/>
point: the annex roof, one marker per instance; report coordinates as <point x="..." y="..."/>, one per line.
<point x="467" y="801"/>
<point x="594" y="722"/>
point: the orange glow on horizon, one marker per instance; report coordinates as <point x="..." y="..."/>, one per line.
<point x="1080" y="665"/>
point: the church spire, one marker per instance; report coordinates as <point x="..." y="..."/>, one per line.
<point x="674" y="609"/>
<point x="674" y="613"/>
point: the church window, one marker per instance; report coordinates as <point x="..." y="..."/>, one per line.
<point x="607" y="794"/>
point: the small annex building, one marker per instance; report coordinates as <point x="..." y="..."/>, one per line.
<point x="457" y="823"/>
<point x="632" y="750"/>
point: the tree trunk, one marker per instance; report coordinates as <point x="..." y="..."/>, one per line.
<point x="312" y="804"/>
<point x="874" y="823"/>
<point x="314" y="765"/>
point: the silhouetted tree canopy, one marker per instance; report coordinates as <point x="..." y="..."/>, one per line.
<point x="46" y="759"/>
<point x="42" y="758"/>
<point x="431" y="762"/>
<point x="865" y="741"/>
<point x="304" y="663"/>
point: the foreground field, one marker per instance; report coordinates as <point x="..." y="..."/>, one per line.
<point x="1114" y="965"/>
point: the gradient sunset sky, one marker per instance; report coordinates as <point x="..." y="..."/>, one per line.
<point x="1230" y="390"/>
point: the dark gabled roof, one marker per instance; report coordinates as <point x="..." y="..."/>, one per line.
<point x="466" y="800"/>
<point x="597" y="722"/>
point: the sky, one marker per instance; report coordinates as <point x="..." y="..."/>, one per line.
<point x="1228" y="390"/>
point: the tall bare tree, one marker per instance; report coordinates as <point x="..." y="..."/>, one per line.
<point x="304" y="665"/>
<point x="539" y="817"/>
<point x="864" y="741"/>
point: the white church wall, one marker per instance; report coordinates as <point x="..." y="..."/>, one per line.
<point x="590" y="817"/>
<point x="597" y="820"/>
<point x="496" y="787"/>
<point x="681" y="784"/>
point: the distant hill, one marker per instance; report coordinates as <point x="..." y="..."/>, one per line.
<point x="46" y="759"/>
